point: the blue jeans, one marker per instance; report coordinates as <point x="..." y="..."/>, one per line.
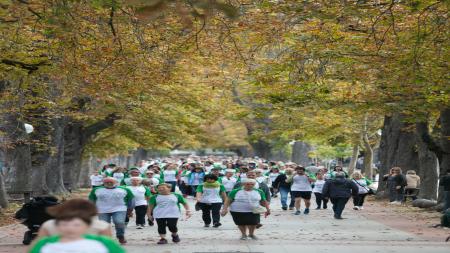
<point x="118" y="219"/>
<point x="284" y="196"/>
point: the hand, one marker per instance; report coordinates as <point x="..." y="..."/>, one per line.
<point x="224" y="212"/>
<point x="267" y="213"/>
<point x="130" y="214"/>
<point x="188" y="214"/>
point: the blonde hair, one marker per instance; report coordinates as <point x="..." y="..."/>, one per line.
<point x="357" y="173"/>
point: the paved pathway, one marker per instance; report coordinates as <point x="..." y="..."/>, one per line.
<point x="282" y="232"/>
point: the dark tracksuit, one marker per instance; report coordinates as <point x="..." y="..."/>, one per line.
<point x="339" y="190"/>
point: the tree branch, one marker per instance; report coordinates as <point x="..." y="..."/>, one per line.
<point x="90" y="131"/>
<point x="31" y="67"/>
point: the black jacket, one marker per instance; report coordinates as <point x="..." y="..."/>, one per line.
<point x="445" y="182"/>
<point x="280" y="182"/>
<point x="339" y="188"/>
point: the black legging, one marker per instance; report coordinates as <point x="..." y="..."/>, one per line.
<point x="209" y="210"/>
<point x="170" y="223"/>
<point x="359" y="201"/>
<point x="141" y="211"/>
<point x="320" y="200"/>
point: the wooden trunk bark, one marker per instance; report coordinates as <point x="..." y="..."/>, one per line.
<point x="300" y="151"/>
<point x="55" y="172"/>
<point x="354" y="159"/>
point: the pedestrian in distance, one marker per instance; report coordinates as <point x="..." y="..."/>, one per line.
<point x="339" y="190"/>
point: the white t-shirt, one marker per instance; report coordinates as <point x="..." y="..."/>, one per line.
<point x="111" y="200"/>
<point x="119" y="176"/>
<point x="139" y="193"/>
<point x="211" y="195"/>
<point x="362" y="186"/>
<point x="318" y="186"/>
<point x="153" y="181"/>
<point x="79" y="246"/>
<point x="301" y="183"/>
<point x="244" y="201"/>
<point x="167" y="206"/>
<point x="262" y="179"/>
<point x="170" y="176"/>
<point x="96" y="180"/>
<point x="273" y="176"/>
<point x="229" y="183"/>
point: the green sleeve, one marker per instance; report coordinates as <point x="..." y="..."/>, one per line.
<point x="232" y="194"/>
<point x="199" y="188"/>
<point x="92" y="197"/>
<point x="222" y="188"/>
<point x="152" y="200"/>
<point x="111" y="245"/>
<point x="176" y="173"/>
<point x="219" y="180"/>
<point x="368" y="182"/>
<point x="261" y="193"/>
<point x="129" y="195"/>
<point x="180" y="198"/>
<point x="147" y="193"/>
<point x="161" y="181"/>
<point x="161" y="176"/>
<point x="37" y="247"/>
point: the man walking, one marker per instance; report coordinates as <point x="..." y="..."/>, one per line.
<point x="339" y="190"/>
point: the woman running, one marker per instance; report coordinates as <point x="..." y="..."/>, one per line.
<point x="142" y="195"/>
<point x="165" y="208"/>
<point x="245" y="207"/>
<point x="301" y="189"/>
<point x="210" y="196"/>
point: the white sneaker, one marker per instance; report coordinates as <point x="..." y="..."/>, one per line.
<point x="139" y="227"/>
<point x="360" y="207"/>
<point x="355" y="208"/>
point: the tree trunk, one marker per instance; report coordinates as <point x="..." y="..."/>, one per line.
<point x="3" y="196"/>
<point x="428" y="172"/>
<point x="368" y="157"/>
<point x="444" y="161"/>
<point x="397" y="147"/>
<point x="73" y="150"/>
<point x="354" y="159"/>
<point x="17" y="155"/>
<point x="261" y="149"/>
<point x="55" y="173"/>
<point x="300" y="153"/>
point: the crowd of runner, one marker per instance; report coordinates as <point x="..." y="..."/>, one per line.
<point x="155" y="190"/>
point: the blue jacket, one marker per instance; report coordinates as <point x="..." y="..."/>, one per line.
<point x="339" y="188"/>
<point x="191" y="177"/>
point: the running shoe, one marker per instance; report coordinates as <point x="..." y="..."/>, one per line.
<point x="139" y="226"/>
<point x="175" y="238"/>
<point x="162" y="241"/>
<point x="206" y="226"/>
<point x="243" y="237"/>
<point x="284" y="208"/>
<point x="355" y="208"/>
<point x="298" y="212"/>
<point x="218" y="224"/>
<point x="306" y="211"/>
<point x="253" y="237"/>
<point x="122" y="239"/>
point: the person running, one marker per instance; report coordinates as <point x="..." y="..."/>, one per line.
<point x="339" y="190"/>
<point x="280" y="184"/>
<point x="113" y="202"/>
<point x="245" y="207"/>
<point x="170" y="175"/>
<point x="210" y="196"/>
<point x="317" y="190"/>
<point x="141" y="195"/>
<point x="97" y="227"/>
<point x="229" y="180"/>
<point x="184" y="180"/>
<point x="72" y="226"/>
<point x="301" y="189"/>
<point x="164" y="207"/>
<point x="195" y="178"/>
<point x="363" y="189"/>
